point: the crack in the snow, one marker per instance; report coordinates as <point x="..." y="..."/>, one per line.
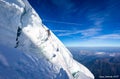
<point x="19" y="30"/>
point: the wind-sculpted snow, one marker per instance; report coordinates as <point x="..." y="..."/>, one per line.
<point x="29" y="50"/>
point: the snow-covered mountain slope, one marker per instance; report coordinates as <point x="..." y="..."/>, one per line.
<point x="29" y="50"/>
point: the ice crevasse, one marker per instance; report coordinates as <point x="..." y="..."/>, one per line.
<point x="29" y="50"/>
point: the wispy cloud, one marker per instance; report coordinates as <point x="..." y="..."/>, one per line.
<point x="61" y="22"/>
<point x="90" y="32"/>
<point x="61" y="30"/>
<point x="69" y="33"/>
<point x="84" y="33"/>
<point x="98" y="15"/>
<point x="108" y="36"/>
<point x="97" y="18"/>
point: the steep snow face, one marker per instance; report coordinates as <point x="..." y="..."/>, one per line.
<point x="32" y="47"/>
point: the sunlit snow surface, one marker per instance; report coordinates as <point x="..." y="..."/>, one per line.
<point x="29" y="50"/>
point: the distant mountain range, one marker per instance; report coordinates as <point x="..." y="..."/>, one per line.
<point x="104" y="63"/>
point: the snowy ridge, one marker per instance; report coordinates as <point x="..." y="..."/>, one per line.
<point x="22" y="29"/>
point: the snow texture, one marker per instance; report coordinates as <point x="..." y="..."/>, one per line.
<point x="29" y="50"/>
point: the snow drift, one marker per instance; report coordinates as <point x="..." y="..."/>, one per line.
<point x="29" y="50"/>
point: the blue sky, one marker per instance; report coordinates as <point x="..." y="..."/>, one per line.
<point x="88" y="23"/>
